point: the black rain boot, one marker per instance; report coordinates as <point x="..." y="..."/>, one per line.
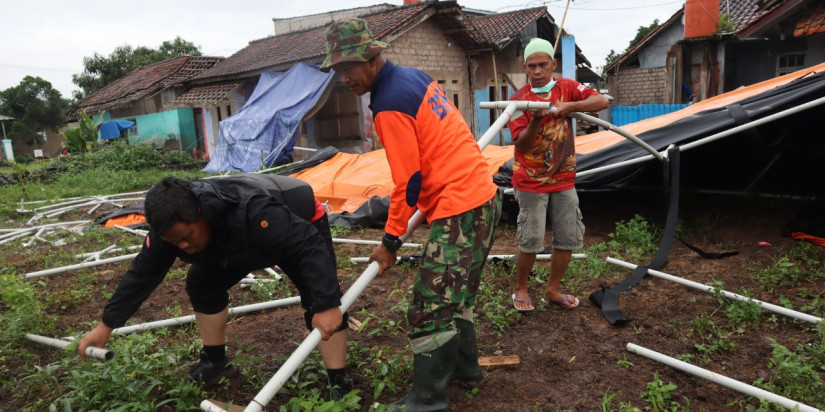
<point x="467" y="368"/>
<point x="432" y="373"/>
<point x="337" y="388"/>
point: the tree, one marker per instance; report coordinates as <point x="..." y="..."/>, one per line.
<point x="641" y="32"/>
<point x="101" y="70"/>
<point x="35" y="106"/>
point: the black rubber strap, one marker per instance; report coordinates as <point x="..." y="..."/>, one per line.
<point x="608" y="299"/>
<point x="709" y="255"/>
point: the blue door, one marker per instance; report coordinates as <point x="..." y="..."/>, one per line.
<point x="486" y="117"/>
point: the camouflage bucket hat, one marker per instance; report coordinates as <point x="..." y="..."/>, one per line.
<point x="350" y="41"/>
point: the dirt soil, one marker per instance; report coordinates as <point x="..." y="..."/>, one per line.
<point x="568" y="358"/>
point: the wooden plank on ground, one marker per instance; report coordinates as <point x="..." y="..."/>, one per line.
<point x="499" y="362"/>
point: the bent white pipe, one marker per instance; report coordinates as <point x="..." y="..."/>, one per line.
<point x="721" y="379"/>
<point x="771" y="307"/>
<point x="92" y="351"/>
<point x="181" y="320"/>
<point x="525" y="105"/>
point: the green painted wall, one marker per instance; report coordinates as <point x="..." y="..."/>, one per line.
<point x="156" y="128"/>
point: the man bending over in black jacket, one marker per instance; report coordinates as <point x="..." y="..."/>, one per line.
<point x="225" y="228"/>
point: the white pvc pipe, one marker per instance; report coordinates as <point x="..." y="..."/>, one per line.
<point x="541" y="256"/>
<point x="14" y="232"/>
<point x="274" y="274"/>
<point x="525" y="105"/>
<point x="95" y="255"/>
<point x="35" y="237"/>
<point x="252" y="281"/>
<point x="181" y="320"/>
<point x="717" y="136"/>
<point x="362" y="259"/>
<point x="15" y="236"/>
<point x="294" y="361"/>
<point x="92" y="351"/>
<point x="509" y="109"/>
<point x="771" y="307"/>
<point x="371" y="242"/>
<point x="134" y="231"/>
<point x="110" y="249"/>
<point x="35" y="228"/>
<point x="721" y="379"/>
<point x="79" y="266"/>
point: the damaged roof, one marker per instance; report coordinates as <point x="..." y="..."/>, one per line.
<point x="142" y="82"/>
<point x="752" y="18"/>
<point x="279" y="52"/>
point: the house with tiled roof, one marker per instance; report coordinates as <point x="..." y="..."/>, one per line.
<point x="474" y="55"/>
<point x="142" y="97"/>
<point x="711" y="47"/>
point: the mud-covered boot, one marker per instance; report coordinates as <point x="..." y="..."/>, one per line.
<point x="432" y="373"/>
<point x="466" y="367"/>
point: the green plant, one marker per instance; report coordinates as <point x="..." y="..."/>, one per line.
<point x="607" y="400"/>
<point x="496" y="306"/>
<point x="745" y="313"/>
<point x="685" y="357"/>
<point x="726" y="24"/>
<point x="658" y="395"/>
<point x="20" y="311"/>
<point x="714" y="338"/>
<point x="315" y="403"/>
<point x="634" y="238"/>
<point x="305" y="385"/>
<point x="82" y="138"/>
<point x="381" y="367"/>
<point x="382" y="324"/>
<point x="140" y="378"/>
<point x="624" y="362"/>
<point x="248" y="363"/>
<point x="781" y="271"/>
<point x="797" y="374"/>
<point x="340" y="231"/>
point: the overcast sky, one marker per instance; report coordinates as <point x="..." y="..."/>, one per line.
<point x="50" y="38"/>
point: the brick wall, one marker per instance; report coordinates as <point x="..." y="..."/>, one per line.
<point x="638" y="86"/>
<point x="426" y="48"/>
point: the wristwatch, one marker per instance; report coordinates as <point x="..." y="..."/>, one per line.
<point x="392" y="243"/>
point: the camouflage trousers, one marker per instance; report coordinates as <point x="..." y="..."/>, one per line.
<point x="449" y="274"/>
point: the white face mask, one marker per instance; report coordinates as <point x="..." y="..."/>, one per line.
<point x="544" y="89"/>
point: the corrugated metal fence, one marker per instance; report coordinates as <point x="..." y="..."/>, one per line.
<point x="622" y="115"/>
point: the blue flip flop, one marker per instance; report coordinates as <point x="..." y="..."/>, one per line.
<point x="566" y="299"/>
<point x="526" y="302"/>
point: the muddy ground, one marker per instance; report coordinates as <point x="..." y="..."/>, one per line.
<point x="569" y="359"/>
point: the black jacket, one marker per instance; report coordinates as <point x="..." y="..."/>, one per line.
<point x="252" y="228"/>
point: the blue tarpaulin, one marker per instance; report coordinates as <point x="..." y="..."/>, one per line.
<point x="267" y="126"/>
<point x="111" y="129"/>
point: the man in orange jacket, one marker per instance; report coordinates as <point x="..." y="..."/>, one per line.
<point x="437" y="167"/>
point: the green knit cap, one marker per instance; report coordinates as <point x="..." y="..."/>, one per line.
<point x="538" y="45"/>
<point x="350" y="41"/>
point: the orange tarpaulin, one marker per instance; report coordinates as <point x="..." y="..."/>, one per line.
<point x="345" y="181"/>
<point x="126" y="220"/>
